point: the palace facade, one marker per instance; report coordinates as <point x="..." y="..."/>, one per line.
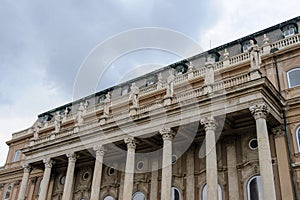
<point x="223" y="124"/>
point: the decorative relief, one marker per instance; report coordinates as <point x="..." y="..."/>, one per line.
<point x="72" y="156"/>
<point x="27" y="167"/>
<point x="48" y="162"/>
<point x="167" y="133"/>
<point x="209" y="123"/>
<point x="131" y="142"/>
<point x="259" y="111"/>
<point x="278" y="131"/>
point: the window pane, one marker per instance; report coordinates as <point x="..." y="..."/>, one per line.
<point x="7" y="192"/>
<point x="17" y="156"/>
<point x="108" y="198"/>
<point x="138" y="196"/>
<point x="254" y="188"/>
<point x="294" y="77"/>
<point x="204" y="193"/>
<point x="175" y="194"/>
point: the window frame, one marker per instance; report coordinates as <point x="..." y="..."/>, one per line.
<point x="287" y="28"/>
<point x="109" y="195"/>
<point x="248" y="186"/>
<point x="17" y="156"/>
<point x="205" y="187"/>
<point x="6" y="190"/>
<point x="138" y="192"/>
<point x="297" y="134"/>
<point x="288" y="77"/>
<point x="173" y="188"/>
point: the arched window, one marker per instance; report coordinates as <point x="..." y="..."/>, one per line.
<point x="17" y="156"/>
<point x="138" y="196"/>
<point x="176" y="195"/>
<point x="297" y="133"/>
<point x="108" y="198"/>
<point x="293" y="77"/>
<point x="254" y="188"/>
<point x="7" y="192"/>
<point x="204" y="192"/>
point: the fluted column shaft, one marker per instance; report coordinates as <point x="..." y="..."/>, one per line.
<point x="67" y="194"/>
<point x="259" y="112"/>
<point x="154" y="178"/>
<point x="96" y="184"/>
<point x="129" y="168"/>
<point x="166" y="180"/>
<point x="24" y="183"/>
<point x="233" y="185"/>
<point x="211" y="158"/>
<point x="46" y="178"/>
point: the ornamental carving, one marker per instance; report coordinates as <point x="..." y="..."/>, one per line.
<point x="48" y="162"/>
<point x="209" y="123"/>
<point x="99" y="150"/>
<point x="278" y="131"/>
<point x="259" y="111"/>
<point x="131" y="142"/>
<point x="27" y="168"/>
<point x="72" y="156"/>
<point x="167" y="133"/>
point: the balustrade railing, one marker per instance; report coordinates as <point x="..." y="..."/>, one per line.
<point x="286" y="42"/>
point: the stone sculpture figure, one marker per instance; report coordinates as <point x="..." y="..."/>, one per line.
<point x="57" y="122"/>
<point x="106" y="104"/>
<point x="134" y="95"/>
<point x="170" y="84"/>
<point x="36" y="129"/>
<point x="254" y="55"/>
<point x="79" y="117"/>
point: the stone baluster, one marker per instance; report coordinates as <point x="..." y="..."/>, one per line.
<point x="129" y="168"/>
<point x="99" y="150"/>
<point x="260" y="112"/>
<point x="166" y="182"/>
<point x="68" y="193"/>
<point x="22" y="193"/>
<point x="210" y="126"/>
<point x="46" y="178"/>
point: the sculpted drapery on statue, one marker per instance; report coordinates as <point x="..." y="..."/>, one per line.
<point x="255" y="59"/>
<point x="106" y="104"/>
<point x="170" y="84"/>
<point x="57" y="122"/>
<point x="134" y="95"/>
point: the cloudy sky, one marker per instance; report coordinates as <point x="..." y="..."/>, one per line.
<point x="43" y="44"/>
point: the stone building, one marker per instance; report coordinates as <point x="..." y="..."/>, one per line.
<point x="223" y="124"/>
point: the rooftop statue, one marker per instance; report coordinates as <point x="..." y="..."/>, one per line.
<point x="170" y="84"/>
<point x="255" y="60"/>
<point x="134" y="95"/>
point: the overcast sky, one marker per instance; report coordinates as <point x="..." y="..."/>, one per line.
<point x="43" y="43"/>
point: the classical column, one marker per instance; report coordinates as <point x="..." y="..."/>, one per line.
<point x="24" y="184"/>
<point x="166" y="179"/>
<point x="129" y="168"/>
<point x="190" y="178"/>
<point x="68" y="193"/>
<point x="211" y="158"/>
<point x="259" y="112"/>
<point x="233" y="185"/>
<point x="99" y="150"/>
<point x="283" y="164"/>
<point x="46" y="178"/>
<point x="154" y="179"/>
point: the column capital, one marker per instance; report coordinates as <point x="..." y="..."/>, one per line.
<point x="99" y="150"/>
<point x="278" y="131"/>
<point x="72" y="156"/>
<point x="131" y="142"/>
<point x="167" y="133"/>
<point x="27" y="167"/>
<point x="209" y="123"/>
<point x="259" y="111"/>
<point x="48" y="162"/>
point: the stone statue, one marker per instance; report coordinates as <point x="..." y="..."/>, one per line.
<point x="66" y="112"/>
<point x="170" y="84"/>
<point x="80" y="113"/>
<point x="106" y="104"/>
<point x="36" y="129"/>
<point x="159" y="82"/>
<point x="134" y="95"/>
<point x="57" y="121"/>
<point x="254" y="55"/>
